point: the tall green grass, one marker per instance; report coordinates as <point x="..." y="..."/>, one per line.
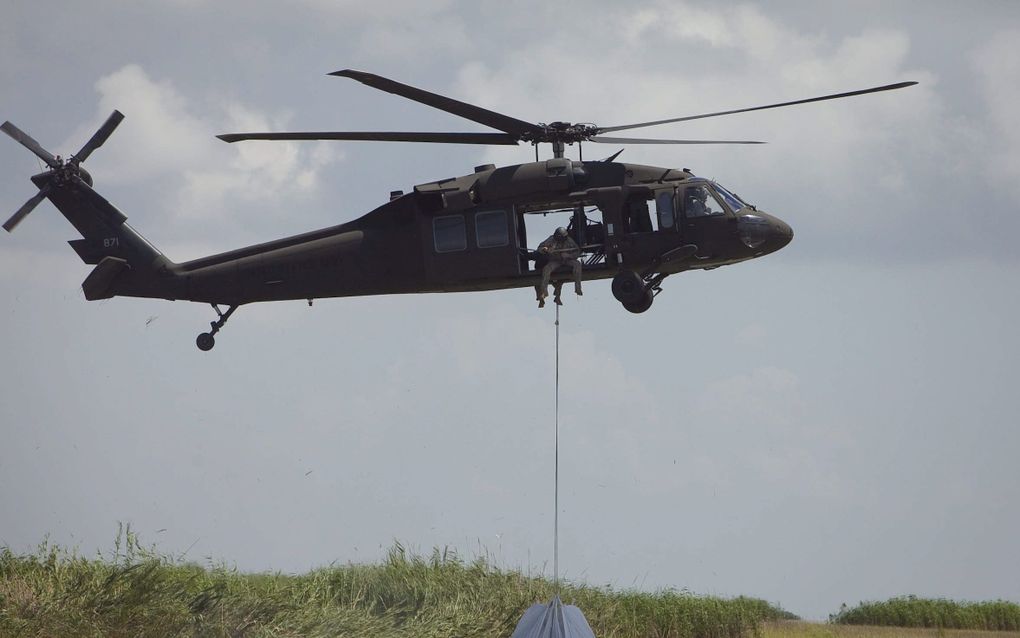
<point x="137" y="592"/>
<point x="910" y="611"/>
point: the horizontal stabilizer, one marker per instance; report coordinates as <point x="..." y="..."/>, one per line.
<point x="91" y="251"/>
<point x="99" y="283"/>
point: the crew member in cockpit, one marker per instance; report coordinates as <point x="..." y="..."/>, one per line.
<point x="696" y="197"/>
<point x="560" y="250"/>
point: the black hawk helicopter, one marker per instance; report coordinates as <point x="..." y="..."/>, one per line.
<point x="635" y="224"/>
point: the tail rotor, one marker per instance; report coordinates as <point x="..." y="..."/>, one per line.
<point x="60" y="170"/>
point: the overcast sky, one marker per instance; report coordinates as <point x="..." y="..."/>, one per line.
<point x="831" y="423"/>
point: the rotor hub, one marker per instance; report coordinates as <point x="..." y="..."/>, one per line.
<point x="561" y="132"/>
<point x="65" y="170"/>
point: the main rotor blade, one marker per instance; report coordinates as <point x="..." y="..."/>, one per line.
<point x="99" y="137"/>
<point x="26" y="140"/>
<point x="25" y="209"/>
<point x="441" y="138"/>
<point x="504" y="123"/>
<point x="887" y="87"/>
<point x="640" y="140"/>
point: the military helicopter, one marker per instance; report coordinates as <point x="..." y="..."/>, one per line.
<point x="634" y="224"/>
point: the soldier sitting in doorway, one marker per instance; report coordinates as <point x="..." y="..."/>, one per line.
<point x="560" y="250"/>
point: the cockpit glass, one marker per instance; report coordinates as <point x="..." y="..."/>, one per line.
<point x="734" y="202"/>
<point x="699" y="202"/>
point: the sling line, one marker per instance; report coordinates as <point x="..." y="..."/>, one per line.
<point x="556" y="474"/>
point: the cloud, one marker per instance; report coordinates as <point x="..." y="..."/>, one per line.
<point x="854" y="176"/>
<point x="398" y="31"/>
<point x="759" y="61"/>
<point x="168" y="140"/>
<point x="403" y="39"/>
<point x="157" y="136"/>
<point x="751" y="335"/>
<point x="997" y="67"/>
<point x="767" y="396"/>
<point x="757" y="420"/>
<point x="380" y="11"/>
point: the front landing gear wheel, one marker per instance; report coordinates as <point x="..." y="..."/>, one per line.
<point x="628" y="287"/>
<point x="205" y="342"/>
<point x="642" y="304"/>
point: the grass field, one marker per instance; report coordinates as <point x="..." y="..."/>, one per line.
<point x="137" y="592"/>
<point x="799" y="629"/>
<point x="911" y="611"/>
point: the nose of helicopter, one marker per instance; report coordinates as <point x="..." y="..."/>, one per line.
<point x="781" y="233"/>
<point x="763" y="233"/>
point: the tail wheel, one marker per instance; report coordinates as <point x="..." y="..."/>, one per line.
<point x="205" y="342"/>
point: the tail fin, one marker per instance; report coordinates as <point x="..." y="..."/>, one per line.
<point x="126" y="264"/>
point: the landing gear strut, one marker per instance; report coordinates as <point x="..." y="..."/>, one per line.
<point x="206" y="341"/>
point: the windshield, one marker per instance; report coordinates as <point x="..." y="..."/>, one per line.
<point x="734" y="202"/>
<point x="698" y="202"/>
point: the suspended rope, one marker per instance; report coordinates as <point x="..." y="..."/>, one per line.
<point x="554" y="620"/>
<point x="556" y="473"/>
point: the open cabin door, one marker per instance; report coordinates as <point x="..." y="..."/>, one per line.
<point x="642" y="223"/>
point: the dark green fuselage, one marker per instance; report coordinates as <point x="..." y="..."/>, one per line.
<point x="444" y="236"/>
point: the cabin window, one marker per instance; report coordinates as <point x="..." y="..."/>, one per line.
<point x="491" y="229"/>
<point x="664" y="209"/>
<point x="450" y="233"/>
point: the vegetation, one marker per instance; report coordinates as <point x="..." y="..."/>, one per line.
<point x="138" y="592"/>
<point x="797" y="629"/>
<point x="910" y="611"/>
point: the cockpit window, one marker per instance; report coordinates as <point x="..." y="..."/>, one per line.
<point x="699" y="202"/>
<point x="734" y="202"/>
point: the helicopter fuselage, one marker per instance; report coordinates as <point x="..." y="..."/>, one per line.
<point x="470" y="233"/>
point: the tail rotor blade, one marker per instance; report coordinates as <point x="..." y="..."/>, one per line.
<point x="26" y="140"/>
<point x="25" y="209"/>
<point x="99" y="137"/>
